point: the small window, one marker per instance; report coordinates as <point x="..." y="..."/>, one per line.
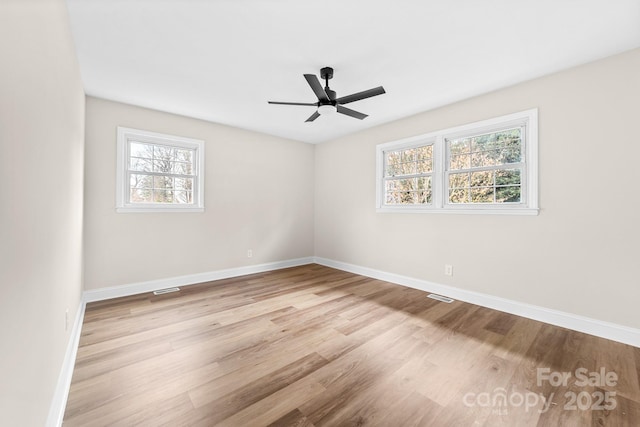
<point x="483" y="167"/>
<point x="159" y="173"/>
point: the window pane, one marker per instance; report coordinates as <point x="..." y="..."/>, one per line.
<point x="510" y="155"/>
<point x="183" y="197"/>
<point x="460" y="162"/>
<point x="424" y="153"/>
<point x="140" y="195"/>
<point x="408" y="168"/>
<point x="163" y="196"/>
<point x="424" y="197"/>
<point x="508" y="194"/>
<point x="138" y="149"/>
<point x="140" y="181"/>
<point x="482" y="195"/>
<point x="488" y="149"/>
<point x="400" y="198"/>
<point x="392" y="170"/>
<point x="507" y="176"/>
<point x="458" y="146"/>
<point x="162" y="166"/>
<point x="392" y="162"/>
<point x="408" y="155"/>
<point x="459" y="195"/>
<point x="140" y="164"/>
<point x="482" y="179"/>
<point x="415" y="190"/>
<point x="393" y="157"/>
<point x="459" y="180"/>
<point x="162" y="182"/>
<point x="161" y="152"/>
<point x="401" y="184"/>
<point x="184" y="155"/>
<point x="486" y="158"/>
<point x="183" y="184"/>
<point x="424" y="166"/>
<point x="411" y="161"/>
<point x="423" y="183"/>
<point x="182" y="168"/>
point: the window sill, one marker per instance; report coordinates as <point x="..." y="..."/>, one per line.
<point x="159" y="209"/>
<point x="466" y="211"/>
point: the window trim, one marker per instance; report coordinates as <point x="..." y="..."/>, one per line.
<point x="124" y="135"/>
<point x="529" y="206"/>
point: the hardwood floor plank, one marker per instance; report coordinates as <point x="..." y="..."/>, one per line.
<point x="294" y="418"/>
<point x="234" y="401"/>
<point x="414" y="410"/>
<point x="273" y="407"/>
<point x="353" y="373"/>
<point x="501" y="323"/>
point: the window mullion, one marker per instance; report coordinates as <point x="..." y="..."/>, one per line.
<point x="440" y="189"/>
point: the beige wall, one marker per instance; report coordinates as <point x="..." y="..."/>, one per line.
<point x="41" y="168"/>
<point x="258" y="195"/>
<point x="580" y="255"/>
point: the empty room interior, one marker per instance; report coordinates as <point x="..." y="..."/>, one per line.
<point x="338" y="213"/>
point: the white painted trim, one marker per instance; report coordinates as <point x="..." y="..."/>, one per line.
<point x="476" y="211"/>
<point x="191" y="279"/>
<point x="59" y="401"/>
<point x="611" y="331"/>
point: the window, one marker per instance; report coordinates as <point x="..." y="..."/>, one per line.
<point x="408" y="176"/>
<point x="483" y="167"/>
<point x="159" y="173"/>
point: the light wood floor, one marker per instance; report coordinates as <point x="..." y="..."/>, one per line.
<point x="313" y="346"/>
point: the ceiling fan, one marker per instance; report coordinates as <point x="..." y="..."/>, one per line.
<point x="327" y="101"/>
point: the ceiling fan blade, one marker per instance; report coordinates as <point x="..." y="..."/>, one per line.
<point x="314" y="116"/>
<point x="316" y="87"/>
<point x="350" y="112"/>
<point x="361" y="95"/>
<point x="315" y="104"/>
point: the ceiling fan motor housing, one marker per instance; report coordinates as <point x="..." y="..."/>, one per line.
<point x="326" y="73"/>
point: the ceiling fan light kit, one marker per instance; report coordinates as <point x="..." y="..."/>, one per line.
<point x="328" y="102"/>
<point x="327" y="109"/>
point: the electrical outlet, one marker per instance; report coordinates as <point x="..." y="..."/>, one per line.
<point x="66" y="320"/>
<point x="448" y="270"/>
<point x="249" y="253"/>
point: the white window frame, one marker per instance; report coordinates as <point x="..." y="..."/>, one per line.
<point x="528" y="120"/>
<point x="124" y="136"/>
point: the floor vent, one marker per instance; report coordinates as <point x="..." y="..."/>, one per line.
<point x="441" y="298"/>
<point x="165" y="291"/>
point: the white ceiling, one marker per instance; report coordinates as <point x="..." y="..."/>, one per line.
<point x="222" y="60"/>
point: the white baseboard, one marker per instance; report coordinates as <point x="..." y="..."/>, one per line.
<point x="191" y="279"/>
<point x="59" y="401"/>
<point x="611" y="331"/>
